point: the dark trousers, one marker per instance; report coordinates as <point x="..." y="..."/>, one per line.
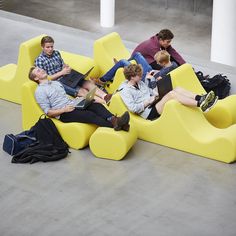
<point x="94" y="114"/>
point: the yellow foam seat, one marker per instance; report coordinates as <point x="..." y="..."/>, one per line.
<point x="105" y="49"/>
<point x="223" y="114"/>
<point x="12" y="76"/>
<point x="110" y="144"/>
<point x="81" y="63"/>
<point x="76" y="135"/>
<point x="185" y="129"/>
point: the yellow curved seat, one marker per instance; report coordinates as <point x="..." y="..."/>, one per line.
<point x="223" y="114"/>
<point x="13" y="76"/>
<point x="104" y="50"/>
<point x="185" y="129"/>
<point x="81" y="63"/>
<point x="76" y="135"/>
<point x="110" y="144"/>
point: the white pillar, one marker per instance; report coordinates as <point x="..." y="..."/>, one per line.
<point x="223" y="38"/>
<point x="107" y="13"/>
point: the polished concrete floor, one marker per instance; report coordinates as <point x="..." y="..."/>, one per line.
<point x="154" y="190"/>
<point x="136" y="20"/>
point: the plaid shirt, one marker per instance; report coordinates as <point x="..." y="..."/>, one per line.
<point x="51" y="64"/>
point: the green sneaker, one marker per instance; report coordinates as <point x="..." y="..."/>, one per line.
<point x="207" y="101"/>
<point x="210" y="104"/>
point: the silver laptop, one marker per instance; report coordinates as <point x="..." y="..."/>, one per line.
<point x="83" y="103"/>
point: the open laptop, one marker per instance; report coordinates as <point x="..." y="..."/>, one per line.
<point x="83" y="103"/>
<point x="164" y="86"/>
<point x="75" y="78"/>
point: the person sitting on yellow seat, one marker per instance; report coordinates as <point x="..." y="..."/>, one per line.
<point x="138" y="98"/>
<point x="51" y="61"/>
<point x="52" y="98"/>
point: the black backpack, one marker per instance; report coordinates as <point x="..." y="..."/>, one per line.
<point x="49" y="146"/>
<point x="218" y="83"/>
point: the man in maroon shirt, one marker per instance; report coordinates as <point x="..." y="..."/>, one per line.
<point x="158" y="42"/>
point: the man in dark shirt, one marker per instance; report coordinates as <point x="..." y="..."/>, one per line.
<point x="158" y="42"/>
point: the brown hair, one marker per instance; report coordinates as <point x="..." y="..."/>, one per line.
<point x="46" y="39"/>
<point x="31" y="75"/>
<point x="162" y="57"/>
<point x="133" y="70"/>
<point x="165" y="34"/>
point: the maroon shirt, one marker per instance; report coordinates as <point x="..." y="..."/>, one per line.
<point x="151" y="46"/>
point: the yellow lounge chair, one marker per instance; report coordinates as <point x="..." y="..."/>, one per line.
<point x="76" y="135"/>
<point x="185" y="129"/>
<point x="12" y="76"/>
<point x="105" y="49"/>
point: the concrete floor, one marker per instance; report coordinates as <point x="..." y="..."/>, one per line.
<point x="136" y="20"/>
<point x="153" y="191"/>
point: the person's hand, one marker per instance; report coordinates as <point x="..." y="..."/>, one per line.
<point x="69" y="108"/>
<point x="66" y="69"/>
<point x="149" y="75"/>
<point x="159" y="77"/>
<point x="151" y="99"/>
<point x="153" y="72"/>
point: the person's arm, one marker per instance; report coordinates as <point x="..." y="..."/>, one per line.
<point x="58" y="112"/>
<point x="131" y="104"/>
<point x="177" y="57"/>
<point x="66" y="70"/>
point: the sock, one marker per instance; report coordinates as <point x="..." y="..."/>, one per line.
<point x="198" y="98"/>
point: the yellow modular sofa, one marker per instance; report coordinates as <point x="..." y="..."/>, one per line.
<point x="12" y="76"/>
<point x="185" y="129"/>
<point x="105" y="49"/>
<point x="76" y="135"/>
<point x="223" y="114"/>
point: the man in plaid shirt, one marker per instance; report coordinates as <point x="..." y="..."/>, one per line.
<point x="51" y="61"/>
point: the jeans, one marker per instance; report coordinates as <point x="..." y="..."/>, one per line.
<point x="111" y="73"/>
<point x="138" y="57"/>
<point x="70" y="91"/>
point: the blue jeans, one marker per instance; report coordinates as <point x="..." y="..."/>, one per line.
<point x="70" y="91"/>
<point x="111" y="73"/>
<point x="138" y="57"/>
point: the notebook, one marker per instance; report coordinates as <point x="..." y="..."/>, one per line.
<point x="164" y="86"/>
<point x="75" y="78"/>
<point x="83" y="103"/>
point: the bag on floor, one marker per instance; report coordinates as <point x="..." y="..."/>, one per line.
<point x="49" y="147"/>
<point x="218" y="83"/>
<point x="13" y="144"/>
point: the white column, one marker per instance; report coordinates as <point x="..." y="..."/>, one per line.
<point x="223" y="38"/>
<point x="107" y="13"/>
